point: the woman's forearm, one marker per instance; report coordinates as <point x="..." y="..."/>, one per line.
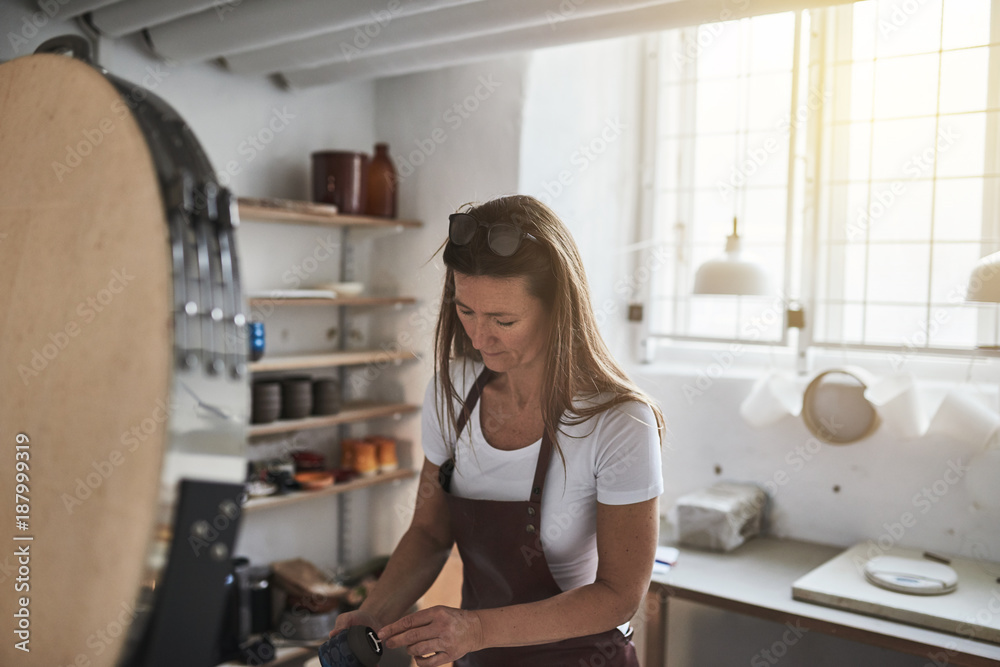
<point x="413" y="567"/>
<point x="581" y="611"/>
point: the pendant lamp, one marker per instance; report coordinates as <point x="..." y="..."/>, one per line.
<point x="984" y="283"/>
<point x="733" y="273"/>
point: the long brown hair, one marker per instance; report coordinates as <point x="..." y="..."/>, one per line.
<point x="578" y="361"/>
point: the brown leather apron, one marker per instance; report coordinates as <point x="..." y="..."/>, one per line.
<point x="504" y="564"/>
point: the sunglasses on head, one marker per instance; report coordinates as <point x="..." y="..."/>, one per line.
<point x="502" y="238"/>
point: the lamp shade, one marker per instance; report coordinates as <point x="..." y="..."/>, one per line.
<point x="984" y="283"/>
<point x="733" y="273"/>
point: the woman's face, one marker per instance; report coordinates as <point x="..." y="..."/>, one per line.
<point x="504" y="322"/>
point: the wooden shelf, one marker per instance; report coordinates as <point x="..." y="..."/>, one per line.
<point x="308" y="213"/>
<point x="339" y="301"/>
<point x="268" y="502"/>
<point x="352" y="412"/>
<point x="329" y="359"/>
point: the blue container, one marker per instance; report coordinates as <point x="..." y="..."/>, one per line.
<point x="256" y="331"/>
<point x="354" y="647"/>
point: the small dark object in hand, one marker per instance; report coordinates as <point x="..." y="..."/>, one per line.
<point x="355" y="646"/>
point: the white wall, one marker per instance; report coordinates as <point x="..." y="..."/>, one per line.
<point x="824" y="493"/>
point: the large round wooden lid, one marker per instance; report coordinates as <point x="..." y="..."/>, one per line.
<point x="85" y="358"/>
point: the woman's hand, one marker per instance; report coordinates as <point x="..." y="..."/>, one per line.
<point x="443" y="634"/>
<point x="358" y="617"/>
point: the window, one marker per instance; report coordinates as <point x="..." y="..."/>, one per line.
<point x="906" y="173"/>
<point x="857" y="146"/>
<point x="723" y="152"/>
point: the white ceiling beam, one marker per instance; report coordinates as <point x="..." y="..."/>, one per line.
<point x="570" y="30"/>
<point x="257" y="23"/>
<point x="375" y="38"/>
<point x="125" y="18"/>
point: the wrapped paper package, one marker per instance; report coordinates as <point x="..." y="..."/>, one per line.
<point x="721" y="517"/>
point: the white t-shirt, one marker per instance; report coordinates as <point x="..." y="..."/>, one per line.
<point x="614" y="459"/>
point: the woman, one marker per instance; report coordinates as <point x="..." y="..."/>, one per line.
<point x="557" y="550"/>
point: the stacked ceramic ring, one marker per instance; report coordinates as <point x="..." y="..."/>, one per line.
<point x="296" y="397"/>
<point x="326" y="396"/>
<point x="266" y="404"/>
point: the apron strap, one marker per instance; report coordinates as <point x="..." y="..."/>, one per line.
<point x="541" y="469"/>
<point x="470" y="401"/>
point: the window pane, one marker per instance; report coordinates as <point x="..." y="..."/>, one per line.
<point x="667" y="158"/>
<point x="865" y="16"/>
<point x="964" y="80"/>
<point x="966" y="23"/>
<point x="772" y="258"/>
<point x="718" y="50"/>
<point x="772" y="43"/>
<point x="898" y="272"/>
<point x="855" y="256"/>
<point x="718" y="106"/>
<point x="961" y="145"/>
<point x="766" y="159"/>
<point x="958" y="209"/>
<point x="859" y="145"/>
<point x="858" y="80"/>
<point x="665" y="283"/>
<point x="900" y="210"/>
<point x="763" y="218"/>
<point x="745" y="317"/>
<point x="770" y="99"/>
<point x="822" y="327"/>
<point x="895" y="143"/>
<point x="666" y="216"/>
<point x="908" y="27"/>
<point x="713" y="219"/>
<point x="677" y="55"/>
<point x="854" y="221"/>
<point x="761" y="318"/>
<point x="714" y="160"/>
<point x="669" y="115"/>
<point x="662" y="317"/>
<point x="906" y="86"/>
<point x="713" y="316"/>
<point x="896" y="326"/>
<point x="953" y="263"/>
<point x="851" y="325"/>
<point x="953" y="326"/>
